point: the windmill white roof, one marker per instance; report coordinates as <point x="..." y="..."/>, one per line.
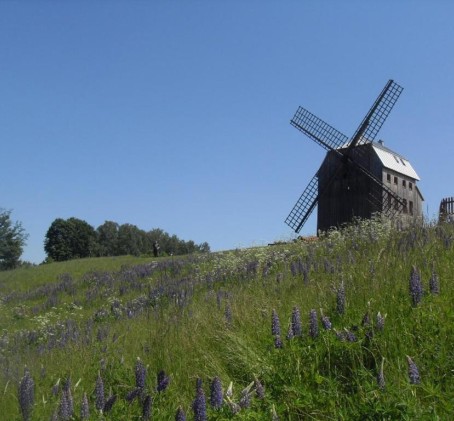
<point x="394" y="161"/>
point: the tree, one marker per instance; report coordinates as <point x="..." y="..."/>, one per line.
<point x="70" y="239"/>
<point x="12" y="241"/>
<point x="108" y="238"/>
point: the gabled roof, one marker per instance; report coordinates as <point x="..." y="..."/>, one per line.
<point x="394" y="161"/>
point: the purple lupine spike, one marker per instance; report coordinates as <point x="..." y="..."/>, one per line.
<point x="296" y="322"/>
<point x="163" y="381"/>
<point x="313" y="324"/>
<point x="228" y="314"/>
<point x="180" y="415"/>
<point x="109" y="403"/>
<point x="434" y="284"/>
<point x="130" y="396"/>
<point x="99" y="393"/>
<point x="380" y="323"/>
<point x="84" y="408"/>
<point x="290" y="332"/>
<point x="69" y="397"/>
<point x="350" y="336"/>
<point x="216" y="393"/>
<point x="259" y="389"/>
<point x="245" y="401"/>
<point x="326" y="322"/>
<point x="413" y="372"/>
<point x="275" y="324"/>
<point x="56" y="388"/>
<point x="64" y="413"/>
<point x="146" y="408"/>
<point x="340" y="299"/>
<point x="278" y="342"/>
<point x="26" y="395"/>
<point x="380" y="376"/>
<point x="416" y="290"/>
<point x="140" y="373"/>
<point x="199" y="406"/>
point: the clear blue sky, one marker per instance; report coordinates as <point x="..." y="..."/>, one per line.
<point x="175" y="114"/>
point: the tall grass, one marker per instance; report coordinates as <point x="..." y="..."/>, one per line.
<point x="206" y="317"/>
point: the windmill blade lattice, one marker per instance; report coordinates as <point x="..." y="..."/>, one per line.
<point x="304" y="206"/>
<point x="319" y="131"/>
<point x="377" y="114"/>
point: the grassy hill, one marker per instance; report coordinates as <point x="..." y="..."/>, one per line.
<point x="359" y="325"/>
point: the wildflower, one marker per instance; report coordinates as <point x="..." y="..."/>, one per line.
<point x="351" y="337"/>
<point x="290" y="332"/>
<point x="56" y="388"/>
<point x="26" y="395"/>
<point x="199" y="406"/>
<point x="416" y="290"/>
<point x="434" y="285"/>
<point x="313" y="324"/>
<point x="180" y="415"/>
<point x="146" y="408"/>
<point x="109" y="403"/>
<point x="380" y="324"/>
<point x="163" y="381"/>
<point x="84" y="408"/>
<point x="99" y="393"/>
<point x="216" y="393"/>
<point x="278" y="342"/>
<point x="141" y="373"/>
<point x="366" y="319"/>
<point x="326" y="322"/>
<point x="296" y="322"/>
<point x="340" y="299"/>
<point x="69" y="398"/>
<point x="275" y="324"/>
<point x="134" y="393"/>
<point x="259" y="389"/>
<point x="380" y="376"/>
<point x="413" y="372"/>
<point x="64" y="412"/>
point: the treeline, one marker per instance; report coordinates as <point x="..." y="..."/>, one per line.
<point x="74" y="238"/>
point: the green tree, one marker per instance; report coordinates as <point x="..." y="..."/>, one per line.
<point x="108" y="238"/>
<point x="70" y="239"/>
<point x="130" y="240"/>
<point x="12" y="241"/>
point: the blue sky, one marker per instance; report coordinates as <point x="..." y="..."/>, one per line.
<point x="175" y="115"/>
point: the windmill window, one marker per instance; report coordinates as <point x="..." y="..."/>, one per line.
<point x="410" y="185"/>
<point x="395" y="180"/>
<point x="397" y="160"/>
<point x="410" y="203"/>
<point x="404" y="184"/>
<point x="405" y="205"/>
<point x="388" y="178"/>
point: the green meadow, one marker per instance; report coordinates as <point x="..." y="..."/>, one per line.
<point x="358" y="325"/>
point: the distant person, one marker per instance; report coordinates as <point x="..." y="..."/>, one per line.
<point x="156" y="249"/>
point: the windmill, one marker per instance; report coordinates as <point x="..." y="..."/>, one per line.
<point x="349" y="174"/>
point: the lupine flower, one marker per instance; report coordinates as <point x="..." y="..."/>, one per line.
<point x="326" y="322"/>
<point x="180" y="415"/>
<point x="380" y="376"/>
<point x="380" y="324"/>
<point x="141" y="373"/>
<point x="199" y="406"/>
<point x="163" y="381"/>
<point x="259" y="389"/>
<point x="290" y="332"/>
<point x="56" y="388"/>
<point x="245" y="401"/>
<point x="278" y="342"/>
<point x="228" y="314"/>
<point x="134" y="393"/>
<point x="296" y="322"/>
<point x="84" y="408"/>
<point x="26" y="395"/>
<point x="313" y="324"/>
<point x="67" y="390"/>
<point x="434" y="285"/>
<point x="340" y="299"/>
<point x="340" y="335"/>
<point x="146" y="408"/>
<point x="64" y="412"/>
<point x="416" y="290"/>
<point x="413" y="372"/>
<point x="109" y="403"/>
<point x="351" y="337"/>
<point x="216" y="393"/>
<point x="366" y="319"/>
<point x="275" y="324"/>
<point x="99" y="393"/>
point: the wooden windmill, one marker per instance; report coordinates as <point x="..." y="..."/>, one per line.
<point x="358" y="177"/>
